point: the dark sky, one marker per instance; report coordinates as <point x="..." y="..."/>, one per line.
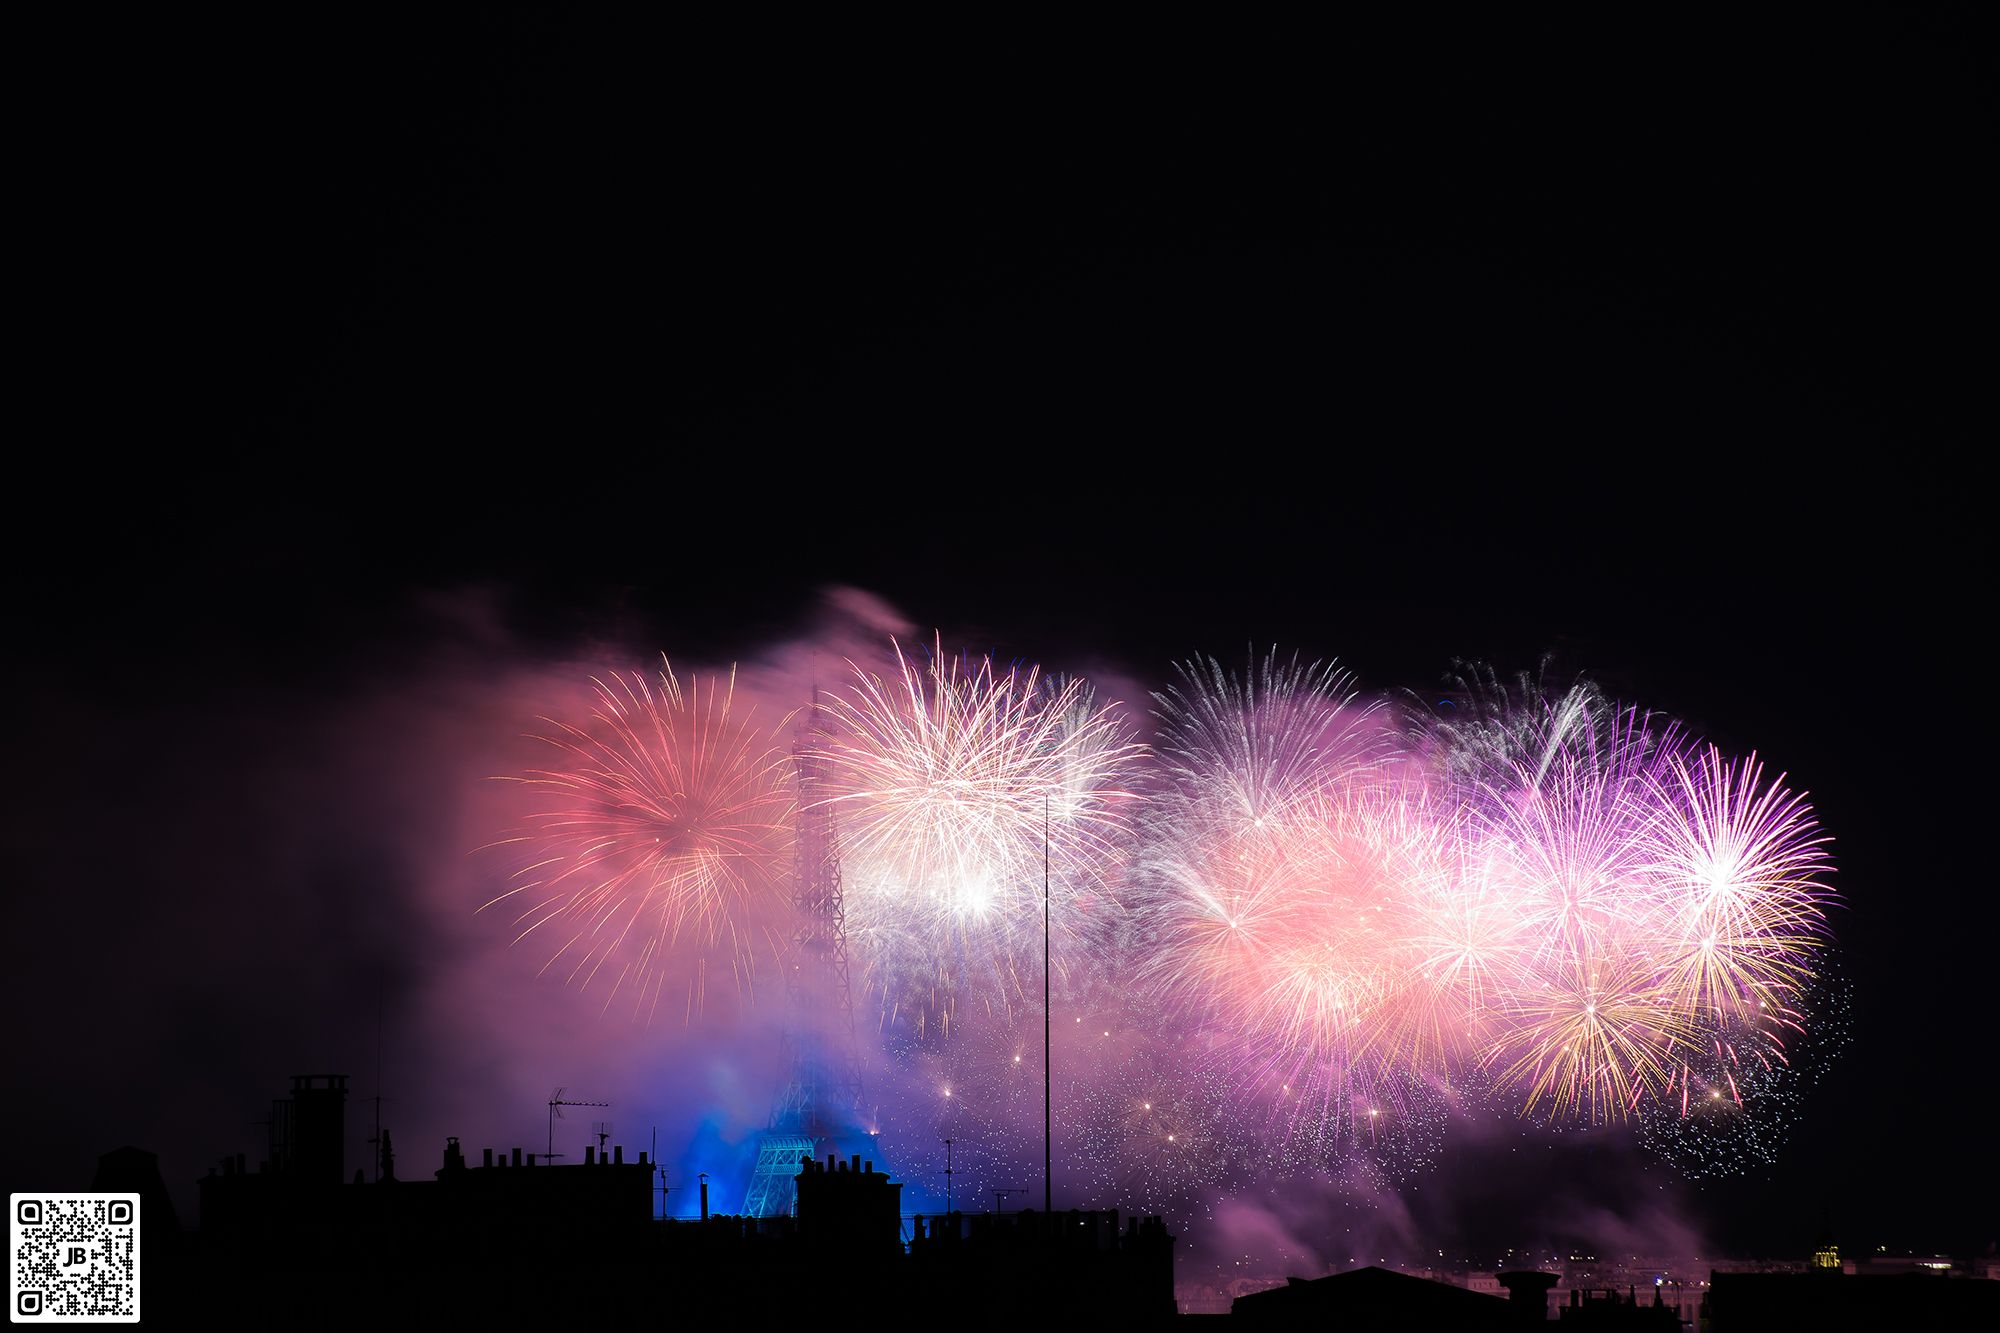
<point x="1663" y="352"/>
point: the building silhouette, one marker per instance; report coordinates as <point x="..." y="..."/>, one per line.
<point x="1605" y="1308"/>
<point x="1826" y="1250"/>
<point x="1824" y="1301"/>
<point x="1367" y="1299"/>
<point x="509" y="1238"/>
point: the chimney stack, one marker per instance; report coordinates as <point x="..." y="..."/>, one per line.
<point x="1527" y="1295"/>
<point x="618" y="1154"/>
<point x="589" y="1155"/>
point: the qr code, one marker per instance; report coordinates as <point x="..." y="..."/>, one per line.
<point x="75" y="1258"/>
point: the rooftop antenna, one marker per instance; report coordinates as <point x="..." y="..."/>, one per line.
<point x="1000" y="1198"/>
<point x="655" y="1159"/>
<point x="1048" y="1116"/>
<point x="947" y="1178"/>
<point x="556" y="1103"/>
<point x="602" y="1129"/>
<point x="376" y="1139"/>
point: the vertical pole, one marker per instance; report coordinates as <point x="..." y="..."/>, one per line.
<point x="377" y="1140"/>
<point x="1048" y="1117"/>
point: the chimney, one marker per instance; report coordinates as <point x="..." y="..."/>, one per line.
<point x="1527" y="1295"/>
<point x="589" y="1155"/>
<point x="317" y="1118"/>
<point x="239" y="1165"/>
<point x="618" y="1154"/>
<point x="704" y="1200"/>
<point x="869" y="1167"/>
<point x="489" y="1157"/>
<point x="531" y="1159"/>
<point x="517" y="1157"/>
<point x="642" y="1160"/>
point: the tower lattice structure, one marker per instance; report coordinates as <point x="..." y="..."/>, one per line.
<point x="822" y="1093"/>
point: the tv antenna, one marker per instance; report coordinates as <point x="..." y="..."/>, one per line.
<point x="556" y="1103"/>
<point x="1000" y="1195"/>
<point x="660" y="1169"/>
<point x="375" y="1140"/>
<point x="602" y="1129"/>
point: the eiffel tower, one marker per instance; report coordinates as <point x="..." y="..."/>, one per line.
<point x="822" y="1092"/>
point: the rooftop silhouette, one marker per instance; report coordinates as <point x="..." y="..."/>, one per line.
<point x="508" y="1235"/>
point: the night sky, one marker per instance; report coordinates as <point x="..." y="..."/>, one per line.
<point x="393" y="371"/>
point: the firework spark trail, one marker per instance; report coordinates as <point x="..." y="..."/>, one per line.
<point x="660" y="842"/>
<point x="1736" y="864"/>
<point x="946" y="775"/>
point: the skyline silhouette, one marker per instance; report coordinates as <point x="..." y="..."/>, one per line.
<point x="407" y="374"/>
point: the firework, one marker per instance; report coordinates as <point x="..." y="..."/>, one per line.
<point x="1277" y="884"/>
<point x="947" y="778"/>
<point x="1296" y="935"/>
<point x="660" y="841"/>
<point x="1567" y="903"/>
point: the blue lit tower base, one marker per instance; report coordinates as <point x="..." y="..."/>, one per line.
<point x="823" y="1090"/>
